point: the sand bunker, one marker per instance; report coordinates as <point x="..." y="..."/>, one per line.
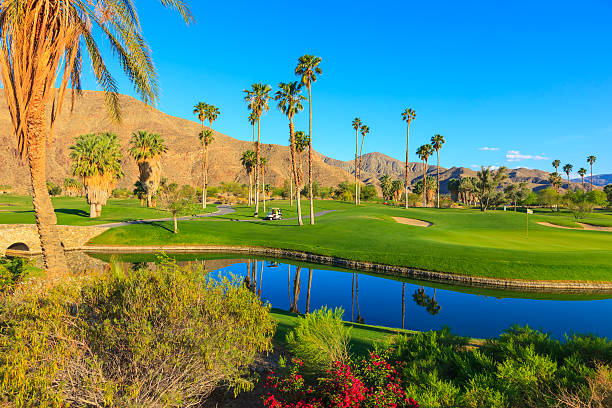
<point x="587" y="227"/>
<point x="412" y="221"/>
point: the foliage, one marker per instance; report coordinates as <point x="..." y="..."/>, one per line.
<point x="146" y="146"/>
<point x="368" y="192"/>
<point x="579" y="203"/>
<point x="486" y="186"/>
<point x="53" y="189"/>
<point x="598" y="197"/>
<point x="178" y="201"/>
<point x="516" y="193"/>
<point x="5" y="187"/>
<point x="368" y="383"/>
<point x="121" y="193"/>
<point x="144" y="338"/>
<point x="607" y="189"/>
<point x="431" y="185"/>
<point x="386" y="185"/>
<point x="12" y="271"/>
<point x="548" y="197"/>
<point x="522" y="368"/>
<point x="320" y="339"/>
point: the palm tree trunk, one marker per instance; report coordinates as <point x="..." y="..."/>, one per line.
<point x="296" y="290"/>
<point x="357" y="298"/>
<point x="98" y="209"/>
<point x="438" y="179"/>
<point x="263" y="187"/>
<point x="356" y="144"/>
<point x="312" y="220"/>
<point x="46" y="222"/>
<point x="406" y="174"/>
<point x="93" y="212"/>
<point x="353" y="300"/>
<point x="591" y="177"/>
<point x="308" y="293"/>
<point x="205" y="191"/>
<point x="291" y="190"/>
<point x="294" y="170"/>
<point x="203" y="171"/>
<point x="424" y="184"/>
<point x="403" y="304"/>
<point x="260" y="280"/>
<point x="257" y="169"/>
<point x="360" y="164"/>
<point x="250" y="199"/>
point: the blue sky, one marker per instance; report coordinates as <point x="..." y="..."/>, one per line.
<point x="507" y="83"/>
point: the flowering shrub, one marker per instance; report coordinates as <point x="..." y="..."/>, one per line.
<point x="370" y="383"/>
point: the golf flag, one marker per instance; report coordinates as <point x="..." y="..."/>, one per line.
<point x="529" y="211"/>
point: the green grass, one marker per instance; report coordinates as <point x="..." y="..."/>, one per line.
<point x="462" y="241"/>
<point x="363" y="337"/>
<point x="75" y="211"/>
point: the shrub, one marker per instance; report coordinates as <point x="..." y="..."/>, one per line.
<point x="12" y="271"/>
<point x="140" y="339"/>
<point x="121" y="193"/>
<point x="320" y="339"/>
<point x="368" y="192"/>
<point x="53" y="189"/>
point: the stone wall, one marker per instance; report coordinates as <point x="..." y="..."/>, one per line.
<point x="73" y="237"/>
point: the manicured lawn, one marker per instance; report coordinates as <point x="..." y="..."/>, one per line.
<point x="462" y="241"/>
<point x="75" y="211"/>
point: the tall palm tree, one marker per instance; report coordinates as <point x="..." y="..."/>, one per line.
<point x="42" y="47"/>
<point x="147" y="148"/>
<point x="408" y="115"/>
<point x="567" y="169"/>
<point x="357" y="126"/>
<point x="248" y="162"/>
<point x="308" y="293"/>
<point x="556" y="163"/>
<point x="403" y="303"/>
<point x="582" y="172"/>
<point x="97" y="161"/>
<point x="289" y="97"/>
<point x="296" y="290"/>
<point x="365" y="129"/>
<point x="424" y="152"/>
<point x="257" y="99"/>
<point x="308" y="69"/>
<point x="436" y="142"/>
<point x="262" y="167"/>
<point x="207" y="137"/>
<point x="591" y="160"/>
<point x="211" y="114"/>
<point x="200" y="111"/>
<point x="301" y="140"/>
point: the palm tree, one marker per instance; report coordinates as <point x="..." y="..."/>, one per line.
<point x="97" y="160"/>
<point x="211" y="114"/>
<point x="207" y="137"/>
<point x="403" y="303"/>
<point x="42" y="46"/>
<point x="248" y="162"/>
<point x="301" y="140"/>
<point x="289" y="97"/>
<point x="436" y="142"/>
<point x="591" y="160"/>
<point x="262" y="167"/>
<point x="365" y="129"/>
<point x="200" y="111"/>
<point x="308" y="293"/>
<point x="147" y="148"/>
<point x="582" y="172"/>
<point x="424" y="152"/>
<point x="356" y="125"/>
<point x="257" y="99"/>
<point x="308" y="69"/>
<point x="296" y="290"/>
<point x="567" y="169"/>
<point x="556" y="163"/>
<point x="408" y="115"/>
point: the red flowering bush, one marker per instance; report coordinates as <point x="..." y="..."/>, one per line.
<point x="370" y="383"/>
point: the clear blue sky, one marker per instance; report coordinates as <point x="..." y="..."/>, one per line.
<point x="529" y="80"/>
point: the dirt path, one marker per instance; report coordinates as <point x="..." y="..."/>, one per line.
<point x="412" y="221"/>
<point x="585" y="227"/>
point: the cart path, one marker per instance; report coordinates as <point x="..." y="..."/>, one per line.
<point x="221" y="210"/>
<point x="317" y="214"/>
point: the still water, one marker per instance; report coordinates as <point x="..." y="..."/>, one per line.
<point x="393" y="302"/>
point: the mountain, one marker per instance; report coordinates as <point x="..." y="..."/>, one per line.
<point x="377" y="164"/>
<point x="182" y="163"/>
<point x="598" y="180"/>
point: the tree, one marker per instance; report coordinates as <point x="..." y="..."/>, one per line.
<point x="579" y="202"/>
<point x="200" y="111"/>
<point x="453" y="188"/>
<point x="73" y="187"/>
<point x="289" y="97"/>
<point x="365" y="129"/>
<point x="548" y="197"/>
<point x="248" y="162"/>
<point x="467" y="189"/>
<point x="582" y="172"/>
<point x="591" y="160"/>
<point x="386" y="185"/>
<point x="262" y="167"/>
<point x="97" y="161"/>
<point x="430" y="189"/>
<point x="308" y="69"/>
<point x="368" y="192"/>
<point x="424" y="152"/>
<point x="257" y="99"/>
<point x="206" y="137"/>
<point x="516" y="193"/>
<point x="555" y="180"/>
<point x="177" y="201"/>
<point x="567" y="169"/>
<point x="486" y="186"/>
<point x="147" y="148"/>
<point x="397" y="187"/>
<point x="408" y="115"/>
<point x="357" y="126"/>
<point x="608" y="190"/>
<point x="42" y="47"/>
<point x="436" y="142"/>
<point x="556" y="164"/>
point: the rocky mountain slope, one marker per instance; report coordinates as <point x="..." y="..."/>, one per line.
<point x="598" y="179"/>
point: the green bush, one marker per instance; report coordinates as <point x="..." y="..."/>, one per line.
<point x="163" y="338"/>
<point x="320" y="339"/>
<point x="12" y="271"/>
<point x="121" y="193"/>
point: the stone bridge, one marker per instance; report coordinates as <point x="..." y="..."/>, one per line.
<point x="24" y="237"/>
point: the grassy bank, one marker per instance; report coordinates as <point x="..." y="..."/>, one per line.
<point x="492" y="244"/>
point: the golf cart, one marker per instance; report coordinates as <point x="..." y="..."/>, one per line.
<point x="274" y="214"/>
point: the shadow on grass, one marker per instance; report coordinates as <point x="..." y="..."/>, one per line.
<point x="72" y="211"/>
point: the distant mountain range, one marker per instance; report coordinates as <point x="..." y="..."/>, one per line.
<point x="598" y="180"/>
<point x="182" y="163"/>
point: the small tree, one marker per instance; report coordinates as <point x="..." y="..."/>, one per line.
<point x="486" y="186"/>
<point x="548" y="197"/>
<point x="608" y="190"/>
<point x="386" y="184"/>
<point x="176" y="200"/>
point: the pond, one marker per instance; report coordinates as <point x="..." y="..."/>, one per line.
<point x="400" y="303"/>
